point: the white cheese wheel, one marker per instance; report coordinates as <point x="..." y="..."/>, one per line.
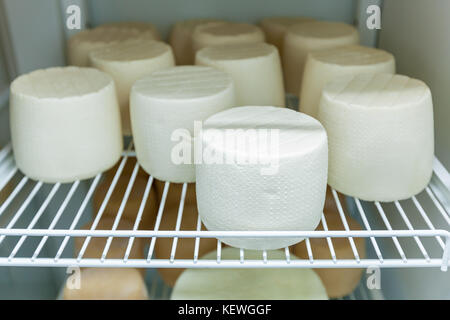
<point x="275" y="29"/>
<point x="249" y="284"/>
<point x="127" y="62"/>
<point x="380" y="131"/>
<point x="81" y="44"/>
<point x="225" y="33"/>
<point x="164" y="107"/>
<point x="325" y="65"/>
<point x="141" y="26"/>
<point x="338" y="282"/>
<point x="279" y="186"/>
<point x="181" y="39"/>
<point x="108" y="284"/>
<point x="65" y="123"/>
<point x="301" y="39"/>
<point x="255" y="69"/>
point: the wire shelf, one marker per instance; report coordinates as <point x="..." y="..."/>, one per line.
<point x="409" y="233"/>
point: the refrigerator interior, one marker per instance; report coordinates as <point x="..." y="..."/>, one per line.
<point x="33" y="36"/>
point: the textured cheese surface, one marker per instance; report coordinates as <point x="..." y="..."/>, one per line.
<point x="233" y="196"/>
<point x="338" y="282"/>
<point x="380" y="131"/>
<point x="181" y="39"/>
<point x="255" y="69"/>
<point x="127" y="62"/>
<point x="141" y="26"/>
<point x="226" y="33"/>
<point x="324" y="65"/>
<point x="248" y="284"/>
<point x="301" y="39"/>
<point x="170" y="100"/>
<point x="65" y="123"/>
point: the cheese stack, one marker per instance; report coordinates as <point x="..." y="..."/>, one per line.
<point x="255" y="69"/>
<point x="164" y="107"/>
<point x="141" y="26"/>
<point x="324" y="65"/>
<point x="65" y="123"/>
<point x="127" y="62"/>
<point x="264" y="168"/>
<point x="301" y="39"/>
<point x="225" y="33"/>
<point x="181" y="39"/>
<point x="338" y="282"/>
<point x="248" y="284"/>
<point x="380" y="131"/>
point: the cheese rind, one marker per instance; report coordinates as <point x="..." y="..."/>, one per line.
<point x="141" y="26"/>
<point x="284" y="189"/>
<point x="164" y="107"/>
<point x="255" y="69"/>
<point x="324" y="65"/>
<point x="127" y="62"/>
<point x="380" y="131"/>
<point x="304" y="38"/>
<point x="65" y="123"/>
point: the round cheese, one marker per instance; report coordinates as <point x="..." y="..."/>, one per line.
<point x="264" y="168"/>
<point x="380" y="130"/>
<point x="65" y="123"/>
<point x="325" y="65"/>
<point x="255" y="69"/>
<point x="248" y="284"/>
<point x="141" y="26"/>
<point x="301" y="39"/>
<point x="127" y="62"/>
<point x="164" y="108"/>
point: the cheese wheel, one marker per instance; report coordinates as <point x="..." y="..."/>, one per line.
<point x="141" y="26"/>
<point x="185" y="246"/>
<point x="301" y="39"/>
<point x="325" y="65"/>
<point x="248" y="284"/>
<point x="108" y="284"/>
<point x="81" y="44"/>
<point x="164" y="107"/>
<point x="65" y="123"/>
<point x="380" y="130"/>
<point x="181" y="39"/>
<point x="255" y="69"/>
<point x="225" y="33"/>
<point x="338" y="282"/>
<point x="127" y="62"/>
<point x="253" y="184"/>
<point x="275" y="29"/>
<point x="135" y="197"/>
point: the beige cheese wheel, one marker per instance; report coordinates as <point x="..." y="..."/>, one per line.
<point x="338" y="282"/>
<point x="185" y="246"/>
<point x="275" y="29"/>
<point x="255" y="69"/>
<point x="181" y="39"/>
<point x="108" y="284"/>
<point x="248" y="283"/>
<point x="127" y="62"/>
<point x="301" y="39"/>
<point x="65" y="123"/>
<point x="225" y="33"/>
<point x="325" y="65"/>
<point x="141" y="26"/>
<point x="133" y="203"/>
<point x="380" y="135"/>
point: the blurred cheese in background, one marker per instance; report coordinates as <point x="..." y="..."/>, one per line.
<point x="255" y="69"/>
<point x="380" y="135"/>
<point x="181" y="39"/>
<point x="301" y="39"/>
<point x="248" y="284"/>
<point x="127" y="62"/>
<point x="324" y="65"/>
<point x="141" y="26"/>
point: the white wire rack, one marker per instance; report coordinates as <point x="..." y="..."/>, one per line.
<point x="425" y="222"/>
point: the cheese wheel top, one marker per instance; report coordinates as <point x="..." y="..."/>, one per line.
<point x="109" y="35"/>
<point x="352" y="55"/>
<point x="60" y="82"/>
<point x="217" y="33"/>
<point x="183" y="82"/>
<point x="283" y="23"/>
<point x="322" y="29"/>
<point x="376" y="90"/>
<point x="237" y="51"/>
<point x="192" y="23"/>
<point x="141" y="26"/>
